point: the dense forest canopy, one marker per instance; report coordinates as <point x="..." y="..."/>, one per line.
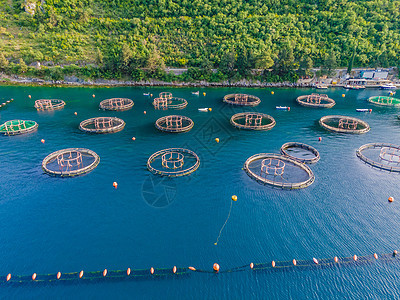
<point x="233" y="35"/>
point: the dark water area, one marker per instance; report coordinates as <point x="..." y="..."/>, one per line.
<point x="52" y="224"/>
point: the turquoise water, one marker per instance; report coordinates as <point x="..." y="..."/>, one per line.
<point x="69" y="224"/>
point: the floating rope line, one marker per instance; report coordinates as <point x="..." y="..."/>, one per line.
<point x="5" y="103"/>
<point x="234" y="198"/>
<point x="164" y="273"/>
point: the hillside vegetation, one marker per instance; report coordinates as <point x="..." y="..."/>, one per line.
<point x="138" y="38"/>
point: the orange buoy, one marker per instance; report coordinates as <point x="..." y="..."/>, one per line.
<point x="355" y="257"/>
<point x="288" y="108"/>
<point x="133" y="139"/>
<point x="375" y="256"/>
<point x="81" y="274"/>
<point x="42" y="140"/>
<point x="75" y="113"/>
<point x="128" y="271"/>
<point x="217" y="140"/>
<point x="294" y="262"/>
<point x="174" y="269"/>
<point x="151" y="95"/>
<point x="251" y="265"/>
<point x="145" y="112"/>
<point x="343" y="95"/>
<point x="192" y="268"/>
<point x="58" y="275"/>
<point x="394" y="252"/>
<point x="336" y="259"/>
<point x="34" y="276"/>
<point x="216" y="267"/>
<point x="209" y="109"/>
<point x="315" y="260"/>
<point x="8" y="276"/>
<point x="94" y="95"/>
<point x="105" y="273"/>
<point x="115" y="184"/>
<point x="391" y="199"/>
<point x="29" y="96"/>
<point x="320" y="139"/>
<point x="370" y="110"/>
<point x="152" y="270"/>
<point x="273" y="264"/>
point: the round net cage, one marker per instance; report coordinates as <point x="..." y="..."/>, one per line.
<point x="173" y="162"/>
<point x="344" y="124"/>
<point x="15" y="127"/>
<point x="169" y="102"/>
<point x="70" y="162"/>
<point x="253" y="121"/>
<point x="102" y="125"/>
<point x="300" y="152"/>
<point x="242" y="99"/>
<point x="166" y="95"/>
<point x="384" y="101"/>
<point x="316" y="100"/>
<point x="174" y="123"/>
<point x="383" y="156"/>
<point x="118" y="104"/>
<point x="49" y="104"/>
<point x="278" y="171"/>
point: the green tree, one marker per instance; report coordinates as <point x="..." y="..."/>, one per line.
<point x="227" y="64"/>
<point x="3" y="62"/>
<point x="125" y="58"/>
<point x="98" y="56"/>
<point x="351" y="61"/>
<point x="305" y="66"/>
<point x="330" y="63"/>
<point x="263" y="61"/>
<point x="22" y="66"/>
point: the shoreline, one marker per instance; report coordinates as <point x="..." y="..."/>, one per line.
<point x="76" y="82"/>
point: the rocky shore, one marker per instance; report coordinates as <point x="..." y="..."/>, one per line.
<point x="74" y="81"/>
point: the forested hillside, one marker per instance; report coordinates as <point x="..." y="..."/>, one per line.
<point x="138" y="38"/>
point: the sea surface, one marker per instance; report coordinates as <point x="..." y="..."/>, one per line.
<point x="51" y="224"/>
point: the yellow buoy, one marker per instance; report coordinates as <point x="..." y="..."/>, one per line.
<point x="217" y="140"/>
<point x="343" y="95"/>
<point x="209" y="109"/>
<point x="204" y="94"/>
<point x="234" y="198"/>
<point x="272" y="92"/>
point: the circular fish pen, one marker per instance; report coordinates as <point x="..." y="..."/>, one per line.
<point x="173" y="162"/>
<point x="384" y="101"/>
<point x="15" y="127"/>
<point x="49" y="104"/>
<point x="278" y="171"/>
<point x="174" y="123"/>
<point x="102" y="125"/>
<point x="301" y="152"/>
<point x="253" y="121"/>
<point x="166" y="101"/>
<point x="316" y="100"/>
<point x="383" y="156"/>
<point x="118" y="104"/>
<point x="344" y="124"/>
<point x="242" y="99"/>
<point x="70" y="162"/>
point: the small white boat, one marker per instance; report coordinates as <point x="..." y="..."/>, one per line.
<point x="354" y="87"/>
<point x="196" y="93"/>
<point x="283" y="107"/>
<point x="315" y="260"/>
<point x="205" y="109"/>
<point x="146" y="94"/>
<point x="363" y="109"/>
<point x="389" y="86"/>
<point x="321" y="87"/>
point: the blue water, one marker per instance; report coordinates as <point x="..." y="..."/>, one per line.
<point x="69" y="224"/>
